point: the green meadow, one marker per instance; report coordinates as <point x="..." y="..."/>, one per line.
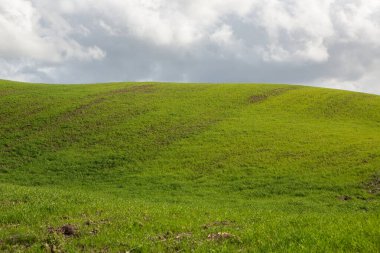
<point x="164" y="167"/>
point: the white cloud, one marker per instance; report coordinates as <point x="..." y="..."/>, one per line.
<point x="357" y="21"/>
<point x="15" y="70"/>
<point x="297" y="30"/>
<point x="368" y="83"/>
<point x="223" y="35"/>
<point x="23" y="36"/>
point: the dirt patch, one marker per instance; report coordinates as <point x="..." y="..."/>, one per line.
<point x="162" y="237"/>
<point x="4" y="93"/>
<point x="21" y="239"/>
<point x="94" y="226"/>
<point x="257" y="98"/>
<point x="344" y="198"/>
<point x="171" y="236"/>
<point x="220" y="236"/>
<point x="146" y="88"/>
<point x="182" y="236"/>
<point x="82" y="108"/>
<point x="373" y="185"/>
<point x="261" y="97"/>
<point x="67" y="230"/>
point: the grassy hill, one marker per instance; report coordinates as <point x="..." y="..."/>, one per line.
<point x="156" y="167"/>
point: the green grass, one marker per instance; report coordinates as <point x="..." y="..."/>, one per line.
<point x="157" y="167"/>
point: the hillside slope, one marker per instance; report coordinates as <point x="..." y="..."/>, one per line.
<point x="168" y="166"/>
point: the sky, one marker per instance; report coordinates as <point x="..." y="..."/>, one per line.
<point x="327" y="43"/>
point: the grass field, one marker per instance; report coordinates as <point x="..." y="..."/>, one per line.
<point x="155" y="167"/>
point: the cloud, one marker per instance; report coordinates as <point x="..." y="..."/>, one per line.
<point x="30" y="33"/>
<point x="333" y="43"/>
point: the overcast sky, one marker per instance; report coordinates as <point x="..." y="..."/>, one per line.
<point x="330" y="43"/>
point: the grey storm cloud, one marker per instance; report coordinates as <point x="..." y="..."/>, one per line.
<point x="330" y="43"/>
